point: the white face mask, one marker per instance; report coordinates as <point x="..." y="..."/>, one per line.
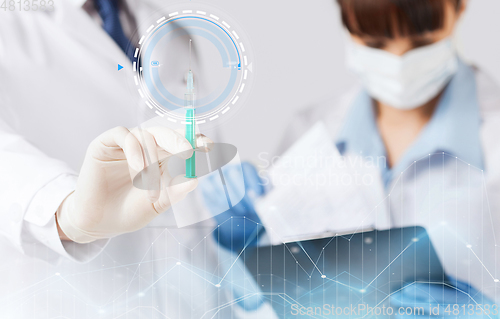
<point x="407" y="81"/>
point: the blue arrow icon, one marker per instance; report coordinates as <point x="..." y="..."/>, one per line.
<point x="120" y="67"/>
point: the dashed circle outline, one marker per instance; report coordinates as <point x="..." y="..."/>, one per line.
<point x="211" y="115"/>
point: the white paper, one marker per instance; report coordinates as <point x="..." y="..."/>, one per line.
<point x="315" y="190"/>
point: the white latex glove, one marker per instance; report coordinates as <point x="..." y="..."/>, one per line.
<point x="105" y="202"/>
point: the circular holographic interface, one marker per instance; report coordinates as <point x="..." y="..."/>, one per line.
<point x="221" y="65"/>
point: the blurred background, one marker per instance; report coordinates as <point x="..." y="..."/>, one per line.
<point x="299" y="61"/>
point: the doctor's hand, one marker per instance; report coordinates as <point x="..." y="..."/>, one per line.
<point x="105" y="202"/>
<point x="459" y="300"/>
<point x="235" y="233"/>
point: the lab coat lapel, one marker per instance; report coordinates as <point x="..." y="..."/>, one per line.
<point x="81" y="28"/>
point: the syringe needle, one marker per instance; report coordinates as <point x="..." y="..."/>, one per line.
<point x="190" y="54"/>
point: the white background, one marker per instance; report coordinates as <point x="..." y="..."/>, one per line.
<point x="299" y="61"/>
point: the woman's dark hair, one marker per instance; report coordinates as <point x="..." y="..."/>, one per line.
<point x="381" y="18"/>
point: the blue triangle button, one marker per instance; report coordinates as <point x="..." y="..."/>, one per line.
<point x="120" y="67"/>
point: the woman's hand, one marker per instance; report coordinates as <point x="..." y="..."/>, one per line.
<point x="105" y="202"/>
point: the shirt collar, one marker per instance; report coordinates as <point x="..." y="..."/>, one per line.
<point x="454" y="127"/>
<point x="359" y="133"/>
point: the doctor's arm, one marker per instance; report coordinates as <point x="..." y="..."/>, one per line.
<point x="454" y="299"/>
<point x="232" y="233"/>
<point x="33" y="186"/>
<point x="240" y="225"/>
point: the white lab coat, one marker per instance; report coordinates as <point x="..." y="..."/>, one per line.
<point x="59" y="90"/>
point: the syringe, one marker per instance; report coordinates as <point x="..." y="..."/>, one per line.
<point x="189" y="98"/>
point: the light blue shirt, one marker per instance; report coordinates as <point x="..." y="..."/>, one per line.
<point x="453" y="128"/>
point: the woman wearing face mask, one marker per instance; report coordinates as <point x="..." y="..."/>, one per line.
<point x="417" y="99"/>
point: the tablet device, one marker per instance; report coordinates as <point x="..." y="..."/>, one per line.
<point x="342" y="271"/>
